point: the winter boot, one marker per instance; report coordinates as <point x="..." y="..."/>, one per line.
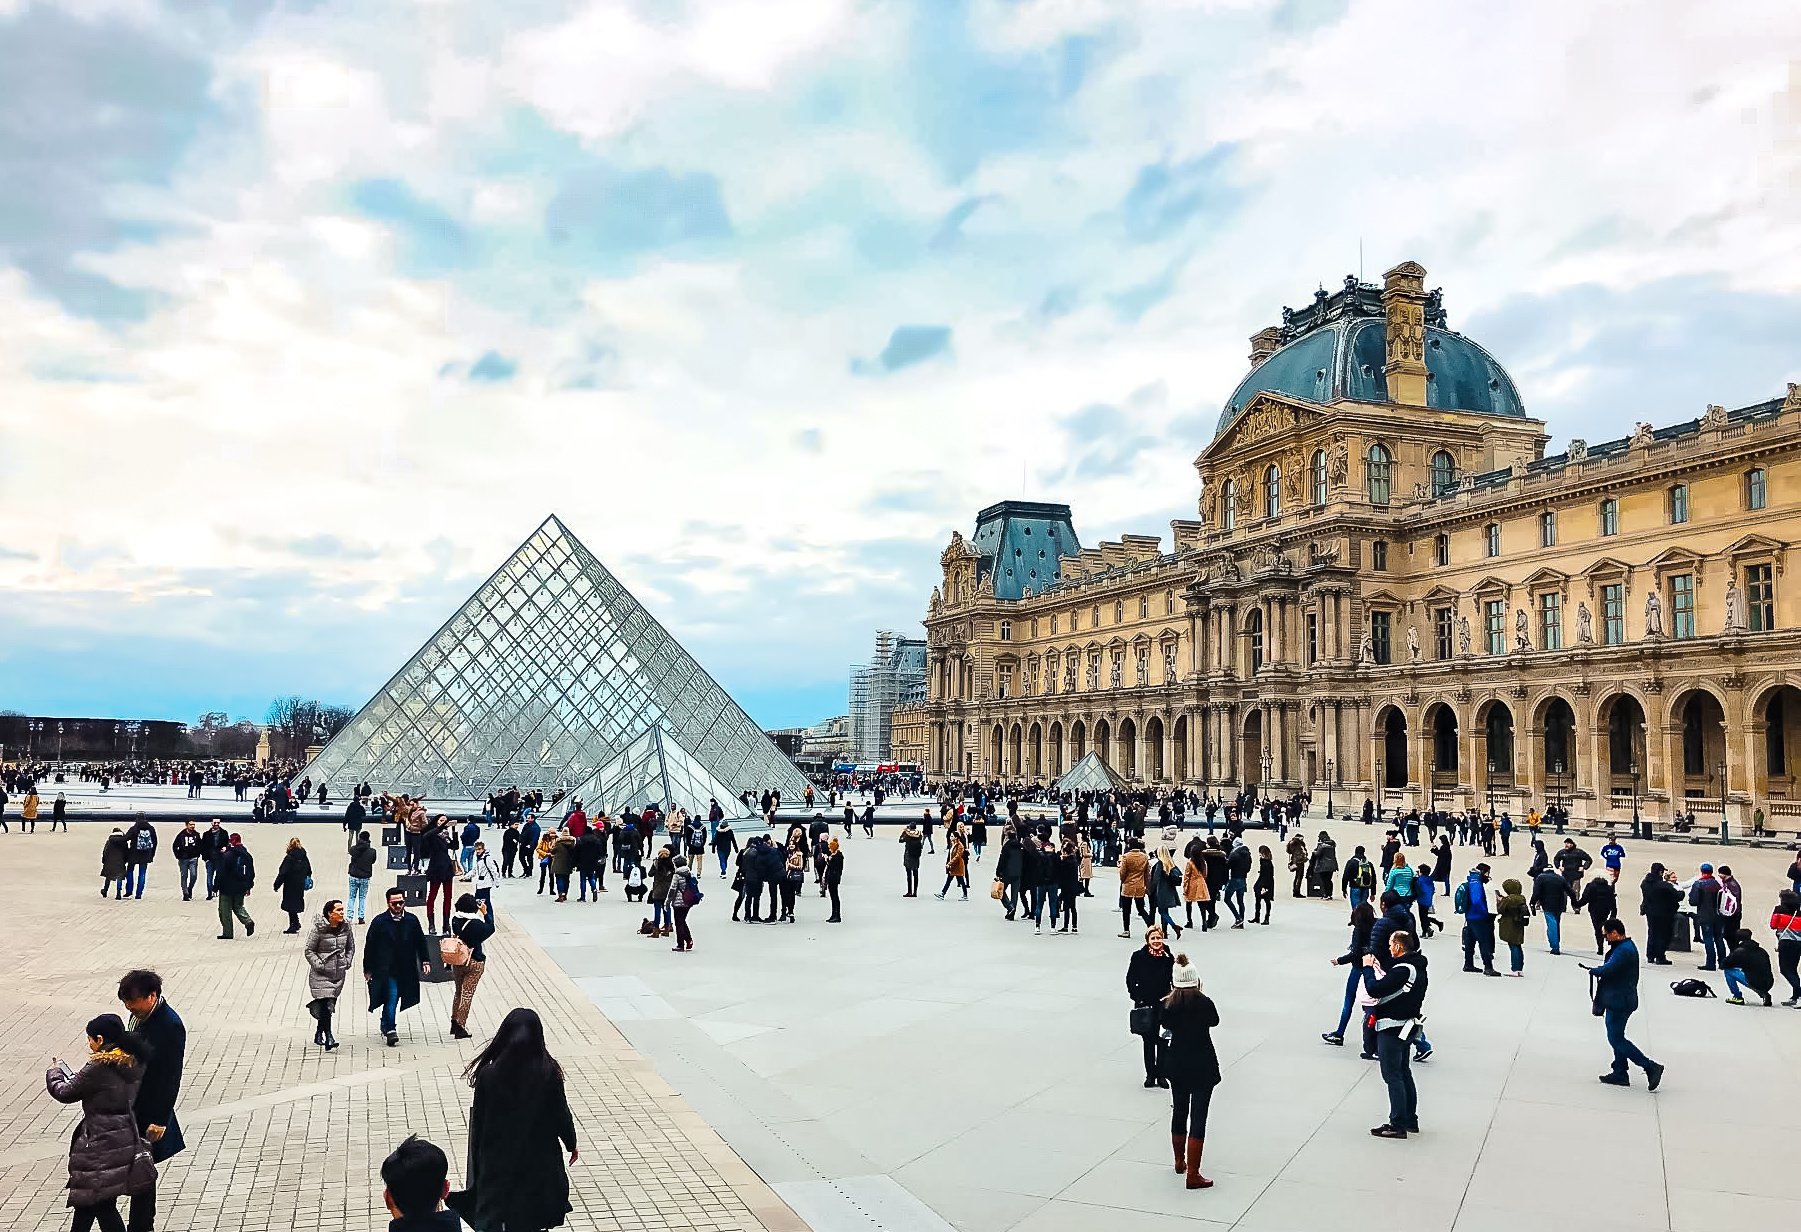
<point x="1195" y="1179"/>
<point x="1179" y="1143"/>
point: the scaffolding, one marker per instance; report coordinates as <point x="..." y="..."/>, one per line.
<point x="894" y="674"/>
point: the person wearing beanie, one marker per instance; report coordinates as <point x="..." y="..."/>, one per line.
<point x="684" y="893"/>
<point x="1704" y="897"/>
<point x="1190" y="1066"/>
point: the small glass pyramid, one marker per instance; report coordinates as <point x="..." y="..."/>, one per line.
<point x="1090" y="774"/>
<point x="551" y="675"/>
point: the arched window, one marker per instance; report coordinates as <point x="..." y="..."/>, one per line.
<point x="1321" y="488"/>
<point x="1379" y="475"/>
<point x="1272" y="493"/>
<point x="1253" y="628"/>
<point x="1679" y="504"/>
<point x="1228" y="512"/>
<point x="1441" y="550"/>
<point x="1444" y="472"/>
<point x="1610" y="517"/>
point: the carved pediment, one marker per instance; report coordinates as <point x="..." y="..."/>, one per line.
<point x="1547" y="577"/>
<point x="1676" y="558"/>
<point x="1265" y="417"/>
<point x="1491" y="586"/>
<point x="1440" y="595"/>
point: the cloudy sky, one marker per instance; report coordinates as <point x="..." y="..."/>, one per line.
<point x="311" y="310"/>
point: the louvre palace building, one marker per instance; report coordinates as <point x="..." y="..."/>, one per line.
<point x="1391" y="589"/>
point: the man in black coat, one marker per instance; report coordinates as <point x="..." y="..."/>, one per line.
<point x="212" y="845"/>
<point x="236" y="878"/>
<point x="1551" y="895"/>
<point x="394" y="957"/>
<point x="154" y="1107"/>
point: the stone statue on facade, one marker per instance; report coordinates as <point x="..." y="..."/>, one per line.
<point x="1114" y="674"/>
<point x="1714" y="417"/>
<point x="1735" y="609"/>
<point x="1144" y="670"/>
<point x="1366" y="648"/>
<point x="1169" y="666"/>
<point x="1641" y="436"/>
<point x="1578" y="449"/>
<point x="1338" y="462"/>
<point x="1463" y="635"/>
<point x="1413" y="644"/>
<point x="1653" y="615"/>
<point x="1585" y="626"/>
<point x="1522" y="630"/>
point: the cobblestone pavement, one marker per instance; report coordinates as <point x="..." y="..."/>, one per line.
<point x="280" y="1134"/>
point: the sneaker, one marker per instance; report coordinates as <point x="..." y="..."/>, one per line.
<point x="1128" y="937"/>
<point x="1333" y="1038"/>
<point x="1387" y="1131"/>
<point x="1735" y="1000"/>
<point x="393" y="1039"/>
<point x="1616" y="1080"/>
<point x="1792" y="1002"/>
<point x="1424" y="1054"/>
<point x="1491" y="971"/>
<point x="1367" y="1056"/>
<point x="250" y="928"/>
<point x="1653" y="1076"/>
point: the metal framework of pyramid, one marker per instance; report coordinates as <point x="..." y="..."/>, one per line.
<point x="1090" y="774"/>
<point x="553" y="676"/>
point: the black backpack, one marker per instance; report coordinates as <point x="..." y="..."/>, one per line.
<point x="1693" y="988"/>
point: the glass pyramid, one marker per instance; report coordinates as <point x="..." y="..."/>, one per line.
<point x="1090" y="774"/>
<point x="553" y="676"/>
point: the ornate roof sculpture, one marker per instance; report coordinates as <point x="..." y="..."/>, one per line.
<point x="1337" y="347"/>
<point x="552" y="675"/>
<point x="1090" y="774"/>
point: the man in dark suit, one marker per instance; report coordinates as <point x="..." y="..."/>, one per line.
<point x="161" y="1027"/>
<point x="394" y="957"/>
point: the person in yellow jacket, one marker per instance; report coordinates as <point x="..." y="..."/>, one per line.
<point x="547" y="843"/>
<point x="28" y="812"/>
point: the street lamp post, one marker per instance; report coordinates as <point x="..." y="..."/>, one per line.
<point x="1488" y="786"/>
<point x="1725" y="826"/>
<point x="34" y="727"/>
<point x="1328" y="789"/>
<point x="1635" y="821"/>
<point x="1557" y="792"/>
<point x="59" y="742"/>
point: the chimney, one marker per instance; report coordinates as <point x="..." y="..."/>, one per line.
<point x="1264" y="343"/>
<point x="1404" y="304"/>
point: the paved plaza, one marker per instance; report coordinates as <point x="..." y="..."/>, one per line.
<point x="925" y="1065"/>
<point x="281" y="1135"/>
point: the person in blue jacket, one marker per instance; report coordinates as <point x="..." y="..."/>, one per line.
<point x="1616" y="997"/>
<point x="1478" y="921"/>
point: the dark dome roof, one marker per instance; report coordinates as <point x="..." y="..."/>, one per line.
<point x="1338" y="348"/>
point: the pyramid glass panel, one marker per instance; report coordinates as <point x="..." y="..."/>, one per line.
<point x="1092" y="773"/>
<point x="552" y="676"/>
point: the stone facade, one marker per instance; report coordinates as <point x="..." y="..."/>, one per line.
<point x="912" y="732"/>
<point x="1403" y="597"/>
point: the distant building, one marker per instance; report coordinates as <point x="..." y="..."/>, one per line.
<point x="911" y="732"/>
<point x="827" y="742"/>
<point x="895" y="675"/>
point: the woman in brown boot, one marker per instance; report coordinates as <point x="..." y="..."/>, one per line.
<point x="1190" y="1064"/>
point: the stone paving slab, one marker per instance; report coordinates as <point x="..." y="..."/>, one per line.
<point x="281" y="1135"/>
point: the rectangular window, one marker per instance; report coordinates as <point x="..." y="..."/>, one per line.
<point x="1380" y="623"/>
<point x="1494" y="625"/>
<point x="1613" y="614"/>
<point x="1006" y="630"/>
<point x="1075" y="621"/>
<point x="1312" y="637"/>
<point x="1550" y="621"/>
<point x="1034" y="626"/>
<point x="1379" y="556"/>
<point x="1444" y="632"/>
<point x="1144" y="606"/>
<point x="1006" y="688"/>
<point x="1547" y="530"/>
<point x="1492" y="539"/>
<point x="1682" y="605"/>
<point x="1610" y="517"/>
<point x="1053" y="623"/>
<point x="1679" y="504"/>
<point x="1760" y="598"/>
<point x="1756" y="490"/>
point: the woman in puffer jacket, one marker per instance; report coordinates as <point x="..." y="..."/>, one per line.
<point x="107" y="1158"/>
<point x="330" y="951"/>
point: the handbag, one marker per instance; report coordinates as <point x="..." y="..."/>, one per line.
<point x="141" y="1177"/>
<point x="999" y="891"/>
<point x="454" y="952"/>
<point x="1143" y="1019"/>
<point x="309" y="883"/>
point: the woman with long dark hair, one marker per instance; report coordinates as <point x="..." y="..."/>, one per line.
<point x="1363" y="918"/>
<point x="520" y="1116"/>
<point x="1190" y="1066"/>
<point x="107" y="1158"/>
<point x="1659" y="903"/>
<point x="294" y="878"/>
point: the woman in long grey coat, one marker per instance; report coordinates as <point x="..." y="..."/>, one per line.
<point x="330" y="951"/>
<point x="107" y="1158"/>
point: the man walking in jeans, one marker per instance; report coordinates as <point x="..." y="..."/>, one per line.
<point x="1704" y="897"/>
<point x="1616" y="996"/>
<point x="394" y="957"/>
<point x="186" y="849"/>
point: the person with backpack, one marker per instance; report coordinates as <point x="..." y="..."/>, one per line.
<point x="1472" y="903"/>
<point x="1615" y="1001"/>
<point x="1511" y="914"/>
<point x="1398" y="995"/>
<point x="140" y="849"/>
<point x="1785" y="922"/>
<point x="1704" y="897"/>
<point x="684" y="896"/>
<point x="1732" y="906"/>
<point x="1601" y="903"/>
<point x="1359" y="878"/>
<point x="1399" y="881"/>
<point x="237" y="877"/>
